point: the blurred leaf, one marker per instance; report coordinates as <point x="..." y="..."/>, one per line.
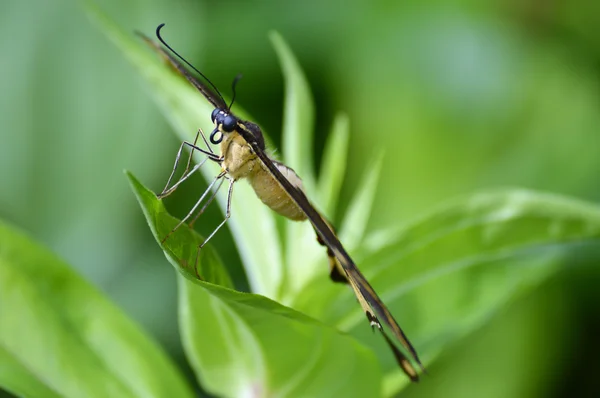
<point x="297" y="137"/>
<point x="333" y="165"/>
<point x="511" y="110"/>
<point x="448" y="272"/>
<point x="187" y="110"/>
<point x="357" y="217"/>
<point x="245" y="344"/>
<point x="15" y="377"/>
<point x="60" y="337"/>
<point x="530" y="340"/>
<point x="297" y="141"/>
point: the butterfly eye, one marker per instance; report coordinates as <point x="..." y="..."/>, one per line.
<point x="214" y="114"/>
<point x="229" y="123"/>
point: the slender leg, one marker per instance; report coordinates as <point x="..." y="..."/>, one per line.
<point x="210" y="155"/>
<point x="227" y="216"/>
<point x="205" y="140"/>
<point x="208" y="202"/>
<point x="167" y="192"/>
<point x="208" y="189"/>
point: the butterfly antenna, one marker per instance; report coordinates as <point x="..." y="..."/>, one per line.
<point x="235" y="82"/>
<point x="158" y="28"/>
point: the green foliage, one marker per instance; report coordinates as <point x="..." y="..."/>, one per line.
<point x="332" y="166"/>
<point x="298" y="114"/>
<point x="180" y="249"/>
<point x="507" y="242"/>
<point x="59" y="336"/>
<point x="460" y="100"/>
<point x="240" y="343"/>
<point x="481" y="252"/>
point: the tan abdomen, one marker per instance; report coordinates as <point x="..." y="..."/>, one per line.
<point x="271" y="193"/>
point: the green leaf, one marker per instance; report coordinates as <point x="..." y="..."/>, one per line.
<point x="333" y="165"/>
<point x="245" y="344"/>
<point x="181" y="246"/>
<point x="59" y="336"/>
<point x="15" y="377"/>
<point x="297" y="137"/>
<point x="446" y="273"/>
<point x="252" y="223"/>
<point x="297" y="142"/>
<point x="355" y="222"/>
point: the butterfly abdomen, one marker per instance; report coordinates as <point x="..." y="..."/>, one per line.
<point x="273" y="195"/>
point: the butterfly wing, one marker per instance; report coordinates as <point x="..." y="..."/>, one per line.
<point x="366" y="295"/>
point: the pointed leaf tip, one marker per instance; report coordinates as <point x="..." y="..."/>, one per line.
<point x="181" y="246"/>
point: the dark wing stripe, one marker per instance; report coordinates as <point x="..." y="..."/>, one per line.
<point x="359" y="283"/>
<point x="336" y="272"/>
<point x="384" y="313"/>
<point x="401" y="359"/>
<point x="215" y="100"/>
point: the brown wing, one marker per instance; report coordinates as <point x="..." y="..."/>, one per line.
<point x="336" y="272"/>
<point x="366" y="295"/>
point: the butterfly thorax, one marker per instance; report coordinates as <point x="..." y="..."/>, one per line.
<point x="239" y="160"/>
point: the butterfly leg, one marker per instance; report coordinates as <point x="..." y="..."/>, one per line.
<point x="227" y="216"/>
<point x="210" y="155"/>
<point x="208" y="189"/>
<point x="208" y="202"/>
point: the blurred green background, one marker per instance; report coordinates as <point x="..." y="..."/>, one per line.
<point x="463" y="96"/>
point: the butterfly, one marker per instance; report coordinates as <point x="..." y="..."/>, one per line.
<point x="243" y="156"/>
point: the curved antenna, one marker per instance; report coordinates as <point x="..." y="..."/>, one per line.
<point x="158" y="28"/>
<point x="235" y="82"/>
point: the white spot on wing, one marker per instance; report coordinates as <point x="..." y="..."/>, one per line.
<point x="290" y="175"/>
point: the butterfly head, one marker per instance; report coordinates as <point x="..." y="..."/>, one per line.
<point x="224" y="122"/>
